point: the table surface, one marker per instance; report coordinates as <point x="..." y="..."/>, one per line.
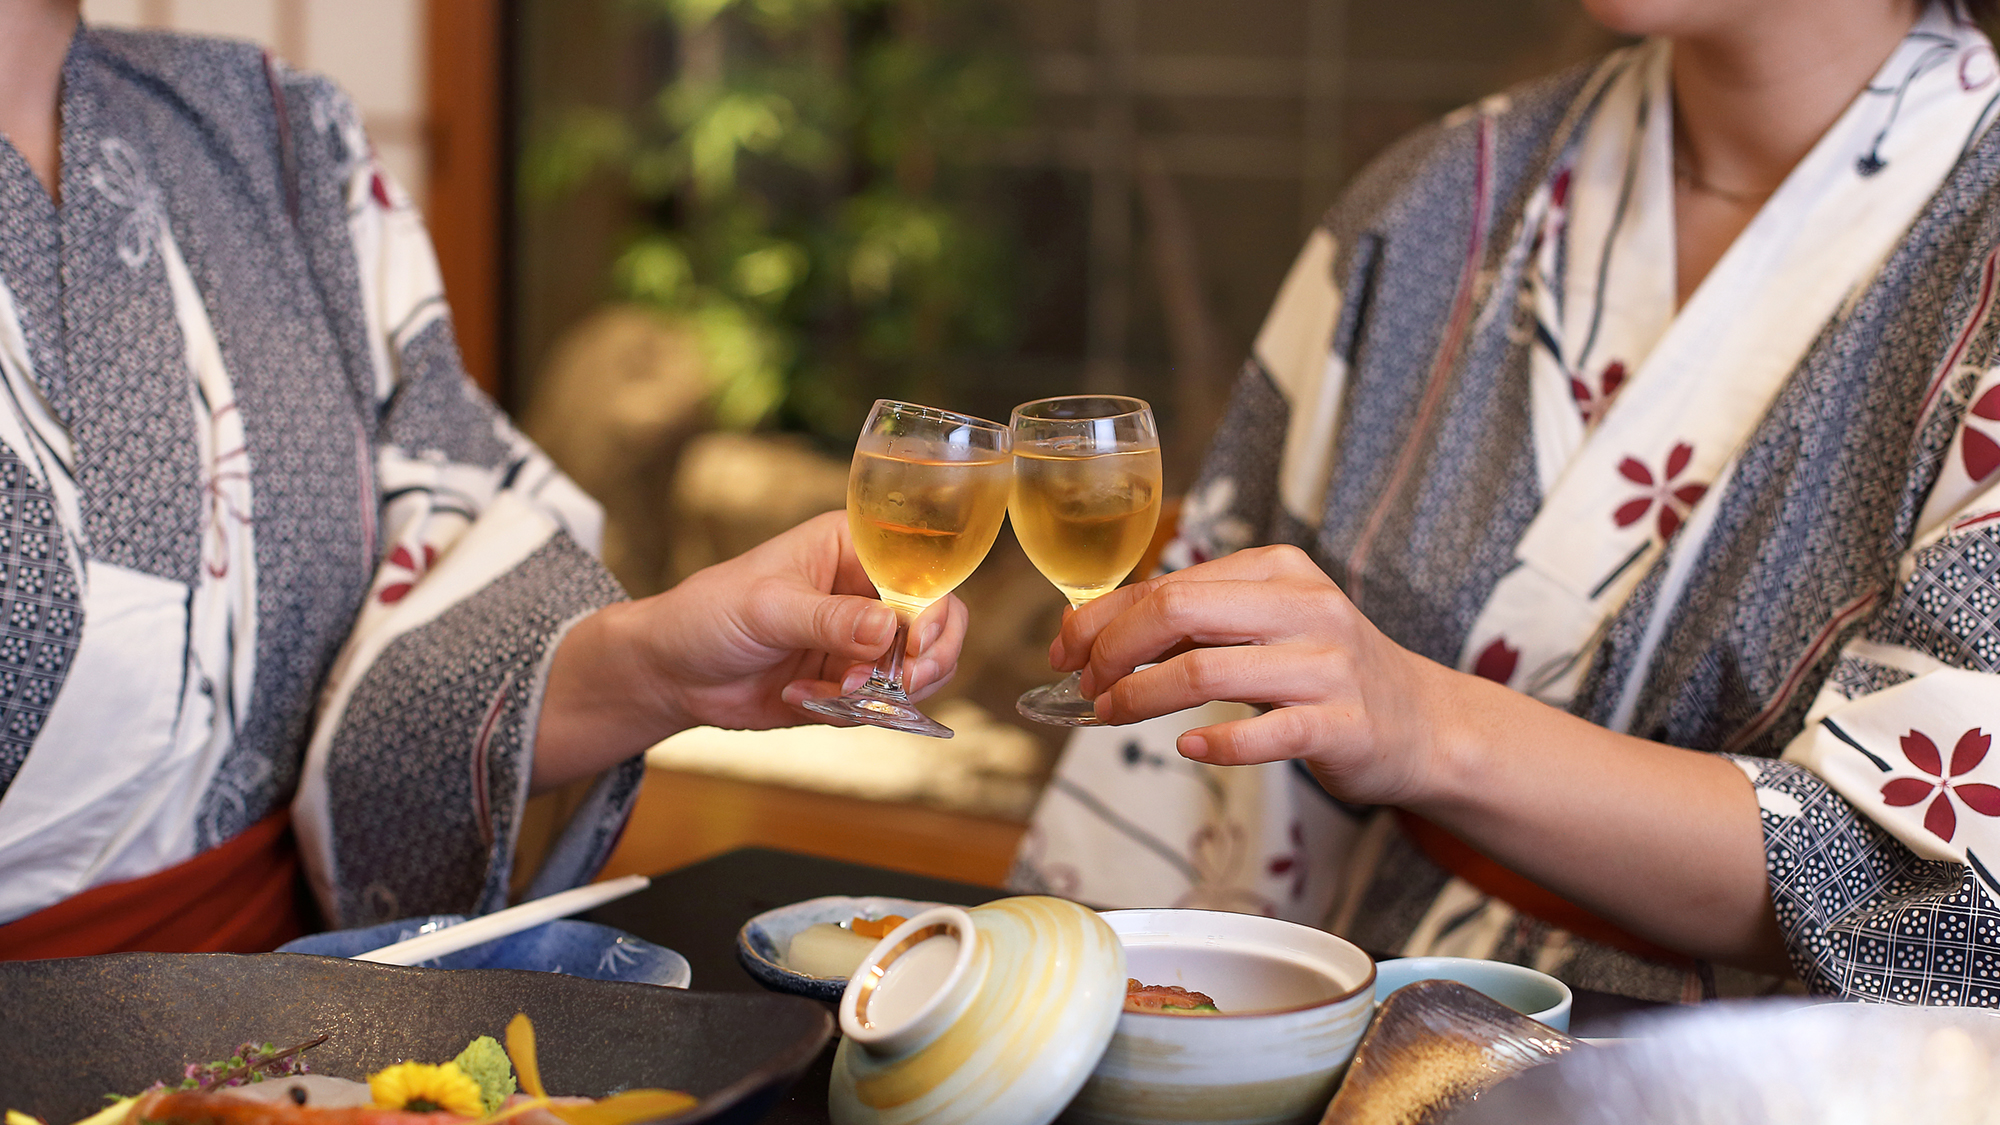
<point x="698" y="909"/>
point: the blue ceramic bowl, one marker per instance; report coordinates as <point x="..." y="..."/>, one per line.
<point x="763" y="940"/>
<point x="578" y="949"/>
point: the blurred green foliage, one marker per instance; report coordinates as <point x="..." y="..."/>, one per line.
<point x="808" y="177"/>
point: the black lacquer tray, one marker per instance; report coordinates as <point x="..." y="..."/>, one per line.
<point x="74" y="1030"/>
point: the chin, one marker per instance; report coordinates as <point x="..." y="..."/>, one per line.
<point x="1697" y="18"/>
<point x="1665" y="17"/>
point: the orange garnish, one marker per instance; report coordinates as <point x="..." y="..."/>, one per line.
<point x="876" y="928"/>
<point x="626" y="1108"/>
<point x="521" y="1050"/>
<point x="618" y="1109"/>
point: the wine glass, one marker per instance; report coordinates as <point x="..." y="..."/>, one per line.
<point x="925" y="498"/>
<point x="1086" y="496"/>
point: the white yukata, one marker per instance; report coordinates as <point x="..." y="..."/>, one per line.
<point x="261" y="541"/>
<point x="1766" y="524"/>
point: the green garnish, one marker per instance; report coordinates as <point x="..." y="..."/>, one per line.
<point x="485" y="1062"/>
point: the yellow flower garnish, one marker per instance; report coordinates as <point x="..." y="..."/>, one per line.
<point x="414" y="1087"/>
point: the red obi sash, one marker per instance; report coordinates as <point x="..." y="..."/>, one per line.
<point x="1459" y="858"/>
<point x="246" y="896"/>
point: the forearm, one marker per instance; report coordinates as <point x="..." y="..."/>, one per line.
<point x="1663" y="841"/>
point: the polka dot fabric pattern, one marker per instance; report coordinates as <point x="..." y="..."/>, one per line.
<point x="1950" y="607"/>
<point x="426" y="770"/>
<point x="40" y="615"/>
<point x="1865" y="917"/>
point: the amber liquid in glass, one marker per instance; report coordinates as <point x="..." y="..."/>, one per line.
<point x="921" y="525"/>
<point x="1085" y="521"/>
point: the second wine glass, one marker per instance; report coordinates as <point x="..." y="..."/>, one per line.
<point x="926" y="495"/>
<point x="1085" y="500"/>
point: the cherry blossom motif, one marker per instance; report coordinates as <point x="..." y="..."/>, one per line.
<point x="402" y="559"/>
<point x="1593" y="403"/>
<point x="1293" y="864"/>
<point x="1209" y="527"/>
<point x="1941" y="819"/>
<point x="1979" y="451"/>
<point x="1674" y="502"/>
<point x="1496" y="661"/>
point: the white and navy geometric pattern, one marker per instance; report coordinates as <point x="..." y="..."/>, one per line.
<point x="206" y="153"/>
<point x="1815" y="544"/>
<point x="40" y="614"/>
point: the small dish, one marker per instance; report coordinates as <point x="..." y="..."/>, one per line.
<point x="1537" y="995"/>
<point x="568" y="946"/>
<point x="763" y="940"/>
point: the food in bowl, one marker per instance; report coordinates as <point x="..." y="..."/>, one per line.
<point x="263" y="1085"/>
<point x="833" y="949"/>
<point x="1293" y="1001"/>
<point x="1167" y="999"/>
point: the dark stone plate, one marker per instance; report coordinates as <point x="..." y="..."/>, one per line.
<point x="74" y="1030"/>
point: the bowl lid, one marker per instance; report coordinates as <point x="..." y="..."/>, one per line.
<point x="989" y="1016"/>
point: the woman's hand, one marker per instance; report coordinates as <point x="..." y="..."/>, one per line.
<point x="739" y="644"/>
<point x="1265" y="626"/>
<point x="1661" y="840"/>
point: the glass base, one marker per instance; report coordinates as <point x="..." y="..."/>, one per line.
<point x="1058" y="704"/>
<point x="876" y="708"/>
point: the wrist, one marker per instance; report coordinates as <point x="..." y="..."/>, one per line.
<point x="1454" y="760"/>
<point x="603" y="703"/>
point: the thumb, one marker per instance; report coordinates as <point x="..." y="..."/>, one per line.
<point x="799" y="617"/>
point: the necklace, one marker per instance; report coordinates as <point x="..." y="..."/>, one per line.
<point x="1684" y="173"/>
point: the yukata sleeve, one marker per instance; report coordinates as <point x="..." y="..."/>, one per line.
<point x="1882" y="819"/>
<point x="417" y="772"/>
<point x="1288" y="388"/>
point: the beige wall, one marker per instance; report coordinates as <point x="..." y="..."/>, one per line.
<point x="373" y="48"/>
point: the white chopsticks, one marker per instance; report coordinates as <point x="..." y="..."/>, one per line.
<point x="500" y="923"/>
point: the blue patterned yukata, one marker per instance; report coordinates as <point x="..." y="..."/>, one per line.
<point x="1765" y="524"/>
<point x="262" y="543"/>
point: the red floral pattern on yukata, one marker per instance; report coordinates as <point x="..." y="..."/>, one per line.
<point x="401" y="559"/>
<point x="1293" y="863"/>
<point x="1496" y="661"/>
<point x="1979" y="452"/>
<point x="1592" y="403"/>
<point x="1941" y="819"/>
<point x="1673" y="501"/>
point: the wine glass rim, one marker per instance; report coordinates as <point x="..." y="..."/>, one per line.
<point x="1131" y="404"/>
<point x="901" y="406"/>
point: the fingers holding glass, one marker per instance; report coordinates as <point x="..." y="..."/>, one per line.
<point x="926" y="495"/>
<point x="1085" y="500"/>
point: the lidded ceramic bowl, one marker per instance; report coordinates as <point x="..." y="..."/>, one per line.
<point x="1013" y="1013"/>
<point x="989" y="1016"/>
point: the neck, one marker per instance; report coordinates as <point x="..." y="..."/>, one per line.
<point x="34" y="38"/>
<point x="1752" y="98"/>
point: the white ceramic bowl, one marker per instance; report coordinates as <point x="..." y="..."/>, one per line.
<point x="1294" y="999"/>
<point x="1538" y="996"/>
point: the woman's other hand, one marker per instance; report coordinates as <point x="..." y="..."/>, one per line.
<point x="1265" y="626"/>
<point x="1661" y="840"/>
<point x="738" y="644"/>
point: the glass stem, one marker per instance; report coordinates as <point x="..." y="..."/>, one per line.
<point x="888" y="674"/>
